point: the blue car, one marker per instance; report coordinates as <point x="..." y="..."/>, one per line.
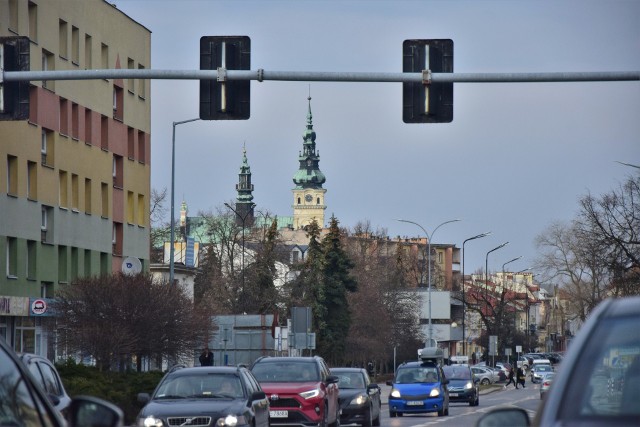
<point x="420" y="387"/>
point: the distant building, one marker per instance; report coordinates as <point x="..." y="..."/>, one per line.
<point x="77" y="172"/>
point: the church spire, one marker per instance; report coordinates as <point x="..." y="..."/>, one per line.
<point x="244" y="187"/>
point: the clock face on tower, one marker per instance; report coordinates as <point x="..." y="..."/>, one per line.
<point x="308" y="198"/>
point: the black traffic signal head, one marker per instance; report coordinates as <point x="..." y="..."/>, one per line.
<point x="432" y="103"/>
<point x="14" y="95"/>
<point x="225" y="99"/>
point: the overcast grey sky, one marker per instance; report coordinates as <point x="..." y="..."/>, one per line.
<point x="516" y="157"/>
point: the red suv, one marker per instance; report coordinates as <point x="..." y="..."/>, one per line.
<point x="301" y="390"/>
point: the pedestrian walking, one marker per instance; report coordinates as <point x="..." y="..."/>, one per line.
<point x="511" y="379"/>
<point x="520" y="377"/>
<point x="206" y="358"/>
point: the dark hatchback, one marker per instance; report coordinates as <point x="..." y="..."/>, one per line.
<point x="218" y="396"/>
<point x="359" y="398"/>
<point x="462" y="385"/>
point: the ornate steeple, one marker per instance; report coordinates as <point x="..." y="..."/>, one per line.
<point x="309" y="174"/>
<point x="244" y="187"/>
<point x="308" y="194"/>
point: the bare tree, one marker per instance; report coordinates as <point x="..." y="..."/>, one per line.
<point x="112" y="317"/>
<point x="160" y="229"/>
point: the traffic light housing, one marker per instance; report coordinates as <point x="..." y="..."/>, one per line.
<point x="14" y="95"/>
<point x="430" y="102"/>
<point x="225" y="99"/>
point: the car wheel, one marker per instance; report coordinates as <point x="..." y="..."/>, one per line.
<point x="392" y="414"/>
<point x="485" y="381"/>
<point x="369" y="418"/>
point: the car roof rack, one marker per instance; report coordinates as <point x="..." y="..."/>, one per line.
<point x="431" y="354"/>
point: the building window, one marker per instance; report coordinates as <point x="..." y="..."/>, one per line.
<point x="33" y="22"/>
<point x="130" y="208"/>
<point x="46" y="224"/>
<point x="63" y="193"/>
<point x="62" y="264"/>
<point x="75" y="190"/>
<point x="31" y="266"/>
<point x="131" y="144"/>
<point x="131" y="82"/>
<point x="105" y="200"/>
<point x="32" y="180"/>
<point x="48" y="64"/>
<point x="12" y="257"/>
<point x="142" y="219"/>
<point x="75" y="45"/>
<point x="118" y="171"/>
<point x="46" y="147"/>
<point x="104" y="263"/>
<point x="46" y="290"/>
<point x="87" y="126"/>
<point x="75" y="121"/>
<point x="87" y="262"/>
<point x="88" y="52"/>
<point x="64" y="117"/>
<point x="104" y="133"/>
<point x="118" y="103"/>
<point x="142" y="152"/>
<point x="318" y="201"/>
<point x="142" y="85"/>
<point x="74" y="263"/>
<point x="104" y="56"/>
<point x="13" y="16"/>
<point x="12" y="175"/>
<point x="62" y="39"/>
<point x="116" y="240"/>
<point x="87" y="195"/>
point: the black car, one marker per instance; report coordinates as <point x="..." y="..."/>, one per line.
<point x="359" y="398"/>
<point x="46" y="375"/>
<point x="463" y="387"/>
<point x="218" y="396"/>
<point x="24" y="403"/>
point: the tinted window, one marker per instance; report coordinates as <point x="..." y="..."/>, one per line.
<point x="200" y="386"/>
<point x="606" y="381"/>
<point x="51" y="383"/>
<point x="18" y="406"/>
<point x="351" y="380"/>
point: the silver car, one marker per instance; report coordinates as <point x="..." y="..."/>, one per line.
<point x="483" y="375"/>
<point x="545" y="383"/>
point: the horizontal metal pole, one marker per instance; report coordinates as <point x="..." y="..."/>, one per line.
<point x="262" y="75"/>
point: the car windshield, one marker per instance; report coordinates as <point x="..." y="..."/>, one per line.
<point x="457" y="372"/>
<point x="203" y="386"/>
<point x="350" y="380"/>
<point x="606" y="379"/>
<point x="286" y="371"/>
<point x="417" y="374"/>
<point x="543" y="368"/>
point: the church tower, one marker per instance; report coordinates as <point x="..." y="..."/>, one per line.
<point x="308" y="194"/>
<point x="244" y="200"/>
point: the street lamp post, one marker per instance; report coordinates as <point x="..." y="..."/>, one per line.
<point x="486" y="266"/>
<point x="243" y="218"/>
<point x="464" y="302"/>
<point x="173" y="186"/>
<point x="429" y="267"/>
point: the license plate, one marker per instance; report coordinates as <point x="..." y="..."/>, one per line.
<point x="453" y="394"/>
<point x="278" y="414"/>
<point x="415" y="403"/>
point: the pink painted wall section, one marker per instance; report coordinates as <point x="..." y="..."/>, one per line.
<point x="44" y="108"/>
<point x="118" y="205"/>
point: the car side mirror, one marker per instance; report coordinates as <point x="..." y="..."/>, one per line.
<point x="514" y="417"/>
<point x="332" y="379"/>
<point x="445" y="381"/>
<point x="92" y="411"/>
<point x="258" y="395"/>
<point x="389" y="382"/>
<point x="144" y="398"/>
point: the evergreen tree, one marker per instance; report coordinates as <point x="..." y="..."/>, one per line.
<point x="335" y="316"/>
<point x="262" y="295"/>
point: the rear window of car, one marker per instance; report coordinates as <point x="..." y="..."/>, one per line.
<point x="285" y="371"/>
<point x="457" y="372"/>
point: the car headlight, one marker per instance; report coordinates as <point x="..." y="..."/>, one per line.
<point x="360" y="399"/>
<point x="434" y="393"/>
<point x="310" y="394"/>
<point x="395" y="393"/>
<point x="149" y="421"/>
<point x="231" y="421"/>
<point x="468" y="385"/>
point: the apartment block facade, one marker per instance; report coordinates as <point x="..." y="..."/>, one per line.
<point x="76" y="174"/>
